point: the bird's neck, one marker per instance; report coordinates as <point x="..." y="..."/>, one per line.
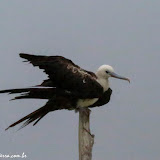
<point x="103" y="82"/>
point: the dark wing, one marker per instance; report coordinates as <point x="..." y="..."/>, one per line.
<point x="104" y="99"/>
<point x="36" y="93"/>
<point x="58" y="99"/>
<point x="40" y="93"/>
<point x="66" y="75"/>
<point x="47" y="83"/>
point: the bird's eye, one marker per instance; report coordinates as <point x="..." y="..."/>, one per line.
<point x="107" y="72"/>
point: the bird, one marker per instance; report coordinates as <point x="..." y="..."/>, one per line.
<point x="68" y="87"/>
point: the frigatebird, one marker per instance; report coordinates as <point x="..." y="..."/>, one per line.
<point x="68" y="86"/>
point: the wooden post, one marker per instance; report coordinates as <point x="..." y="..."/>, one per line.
<point x="86" y="139"/>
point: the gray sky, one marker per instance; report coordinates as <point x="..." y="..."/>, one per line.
<point x="124" y="34"/>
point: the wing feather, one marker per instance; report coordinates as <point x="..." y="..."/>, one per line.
<point x="104" y="99"/>
<point x="66" y="75"/>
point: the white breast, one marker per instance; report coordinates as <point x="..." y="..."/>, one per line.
<point x="86" y="102"/>
<point x="104" y="83"/>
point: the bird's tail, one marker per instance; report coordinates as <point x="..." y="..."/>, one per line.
<point x="40" y="93"/>
<point x="37" y="93"/>
<point x="36" y="115"/>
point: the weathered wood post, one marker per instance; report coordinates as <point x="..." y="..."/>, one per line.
<point x="86" y="139"/>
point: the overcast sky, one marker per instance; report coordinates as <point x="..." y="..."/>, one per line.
<point x="124" y="34"/>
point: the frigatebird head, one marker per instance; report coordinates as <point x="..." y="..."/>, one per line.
<point x="107" y="71"/>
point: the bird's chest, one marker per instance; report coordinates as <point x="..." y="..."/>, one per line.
<point x="104" y="83"/>
<point x="86" y="102"/>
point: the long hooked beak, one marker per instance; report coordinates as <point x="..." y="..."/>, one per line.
<point x="112" y="74"/>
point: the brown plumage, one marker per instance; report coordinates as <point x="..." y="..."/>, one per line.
<point x="65" y="74"/>
<point x="66" y="84"/>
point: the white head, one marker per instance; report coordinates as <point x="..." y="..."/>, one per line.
<point x="106" y="71"/>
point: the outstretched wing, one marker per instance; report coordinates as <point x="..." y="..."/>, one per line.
<point x="66" y="75"/>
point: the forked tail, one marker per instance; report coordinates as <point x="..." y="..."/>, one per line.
<point x="40" y="93"/>
<point x="37" y="93"/>
<point x="36" y="115"/>
<point x="51" y="94"/>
